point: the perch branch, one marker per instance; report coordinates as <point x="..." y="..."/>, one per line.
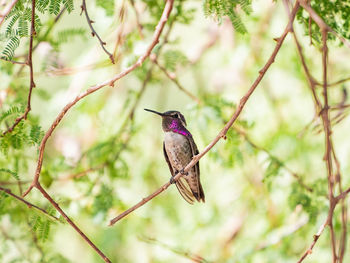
<point x="31" y="80"/>
<point x="94" y="33"/>
<point x="222" y="133"/>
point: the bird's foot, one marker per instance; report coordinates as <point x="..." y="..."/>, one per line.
<point x="172" y="180"/>
<point x="182" y="171"/>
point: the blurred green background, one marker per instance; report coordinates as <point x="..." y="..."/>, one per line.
<point x="106" y="154"/>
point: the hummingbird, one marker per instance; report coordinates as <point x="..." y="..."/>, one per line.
<point x="179" y="148"/>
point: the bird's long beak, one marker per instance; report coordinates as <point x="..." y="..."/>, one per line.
<point x="156" y="112"/>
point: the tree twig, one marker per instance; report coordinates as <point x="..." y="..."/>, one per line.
<point x="76" y="228"/>
<point x="93" y="31"/>
<point x="222" y="133"/>
<point x="173" y="78"/>
<point x="316" y="237"/>
<point x="30" y="205"/>
<point x="31" y="80"/>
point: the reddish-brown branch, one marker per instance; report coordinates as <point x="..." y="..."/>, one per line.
<point x="30" y="205"/>
<point x="7" y="11"/>
<point x="338" y="82"/>
<point x="110" y="82"/>
<point x="93" y="31"/>
<point x="316" y="237"/>
<point x="222" y="133"/>
<point x="31" y="80"/>
<point x="58" y="208"/>
<point x="173" y="78"/>
<point x="328" y="142"/>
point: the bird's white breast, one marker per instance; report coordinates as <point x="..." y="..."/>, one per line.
<point x="178" y="149"/>
<point x="173" y="139"/>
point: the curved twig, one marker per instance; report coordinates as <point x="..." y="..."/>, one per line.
<point x="30" y="205"/>
<point x="31" y="80"/>
<point x="94" y="33"/>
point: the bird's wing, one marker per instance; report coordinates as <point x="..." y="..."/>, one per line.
<point x="181" y="183"/>
<point x="195" y="151"/>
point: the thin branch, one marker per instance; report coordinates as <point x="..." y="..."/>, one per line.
<point x="14" y="183"/>
<point x="222" y="133"/>
<point x="14" y="62"/>
<point x="338" y="82"/>
<point x="94" y="33"/>
<point x="173" y="78"/>
<point x="342" y="195"/>
<point x="328" y="132"/>
<point x="137" y="16"/>
<point x="58" y="208"/>
<point x="30" y="205"/>
<point x="7" y="11"/>
<point x="316" y="237"/>
<point x="31" y="80"/>
<point x="110" y="82"/>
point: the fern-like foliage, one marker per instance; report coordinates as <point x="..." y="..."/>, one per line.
<point x="65" y="35"/>
<point x="10" y="48"/>
<point x="228" y="8"/>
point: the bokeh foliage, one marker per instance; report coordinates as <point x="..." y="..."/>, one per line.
<point x="107" y="152"/>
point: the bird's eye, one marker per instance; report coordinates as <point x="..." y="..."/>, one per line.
<point x="176" y="115"/>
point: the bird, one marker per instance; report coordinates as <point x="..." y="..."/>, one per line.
<point x="179" y="149"/>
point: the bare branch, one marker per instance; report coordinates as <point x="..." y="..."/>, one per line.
<point x="58" y="208"/>
<point x="94" y="33"/>
<point x="30" y="205"/>
<point x="172" y="77"/>
<point x="15" y="62"/>
<point x="222" y="133"/>
<point x="316" y="237"/>
<point x="31" y="80"/>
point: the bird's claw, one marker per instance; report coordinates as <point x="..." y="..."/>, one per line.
<point x="182" y="171"/>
